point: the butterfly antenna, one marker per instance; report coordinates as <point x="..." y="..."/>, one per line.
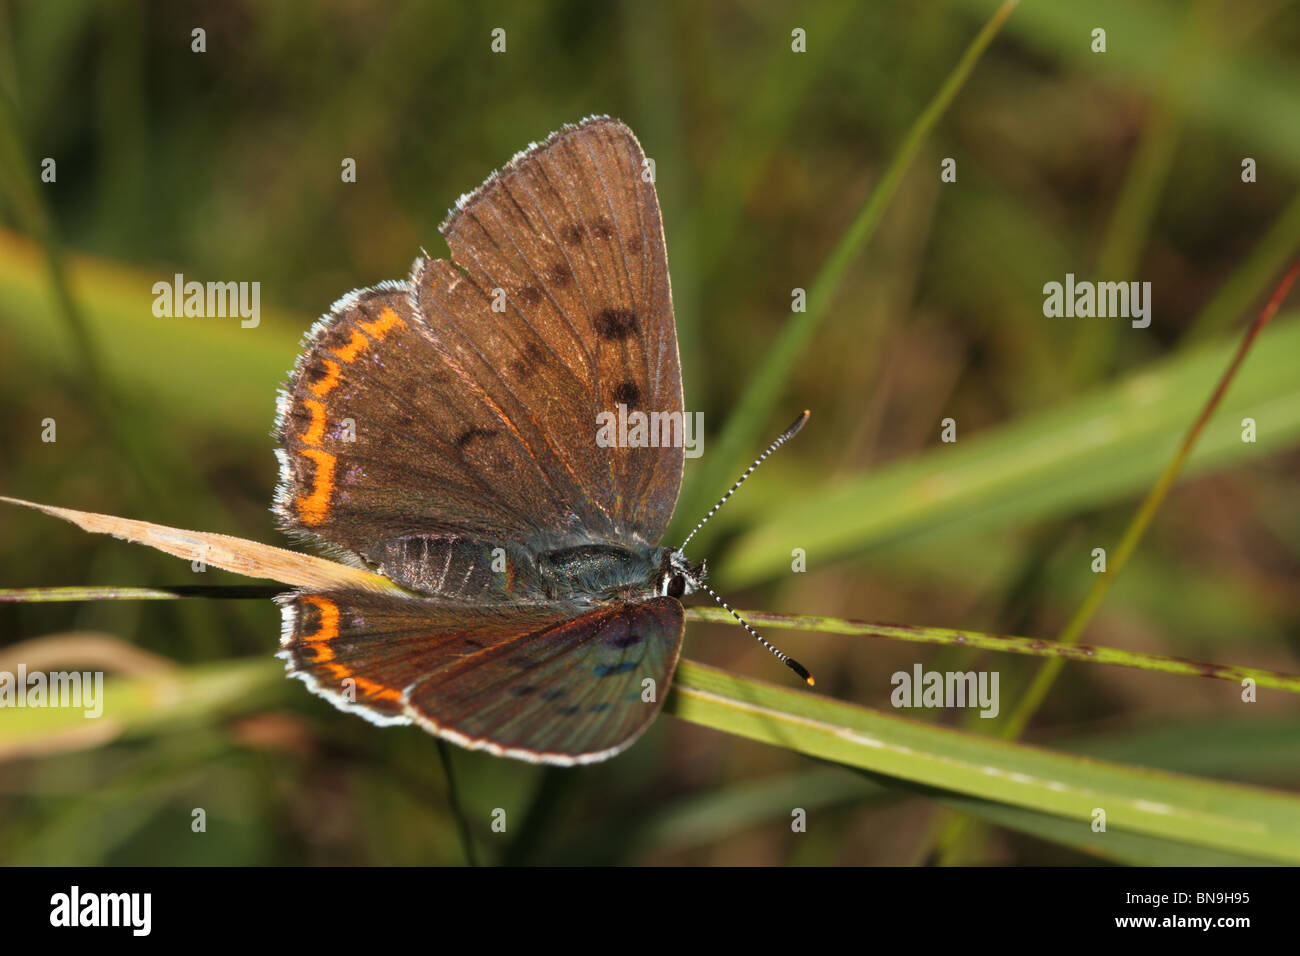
<point x="784" y="437"/>
<point x="779" y="654"/>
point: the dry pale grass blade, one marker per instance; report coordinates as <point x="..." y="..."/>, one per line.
<point x="84" y="736"/>
<point x="223" y="551"/>
<point x="84" y="649"/>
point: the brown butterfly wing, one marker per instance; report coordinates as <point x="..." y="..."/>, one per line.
<point x="382" y="436"/>
<point x="544" y="684"/>
<point x="557" y="304"/>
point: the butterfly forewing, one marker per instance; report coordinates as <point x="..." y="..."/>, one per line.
<point x="381" y="437"/>
<point x="557" y="303"/>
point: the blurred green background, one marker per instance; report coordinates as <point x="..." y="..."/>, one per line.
<point x="225" y="166"/>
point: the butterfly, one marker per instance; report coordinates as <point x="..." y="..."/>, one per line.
<point x="442" y="432"/>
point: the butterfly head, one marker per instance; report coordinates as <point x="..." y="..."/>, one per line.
<point x="676" y="576"/>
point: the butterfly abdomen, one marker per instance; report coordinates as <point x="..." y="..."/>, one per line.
<point x="459" y="568"/>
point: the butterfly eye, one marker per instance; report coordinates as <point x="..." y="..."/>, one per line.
<point x="677" y="586"/>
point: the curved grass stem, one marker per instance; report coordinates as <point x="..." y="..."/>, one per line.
<point x="1101" y="585"/>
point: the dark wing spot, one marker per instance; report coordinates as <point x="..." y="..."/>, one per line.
<point x="616" y="324"/>
<point x="529" y="294"/>
<point x="470" y="434"/>
<point x="526" y="364"/>
<point x="627" y="393"/>
<point x="552" y="694"/>
<point x="571" y="235"/>
<point x="633" y="244"/>
<point x="315" y="374"/>
<point x="337" y="335"/>
<point x="602" y="227"/>
<point x="522" y="691"/>
<point x="560" y="274"/>
<point x="569" y="711"/>
<point x="304" y="470"/>
<point x="298" y="420"/>
<point x="598" y="708"/>
<point x="605" y="670"/>
<point x="623" y="641"/>
<point x="309" y="617"/>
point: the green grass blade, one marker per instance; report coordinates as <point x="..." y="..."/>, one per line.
<point x="1240" y="100"/>
<point x="753" y="412"/>
<point x="1115" y="845"/>
<point x="217" y="372"/>
<point x="1235" y="818"/>
<point x="141" y="704"/>
<point x="1199" y="813"/>
<point x="1005" y="643"/>
<point x="1091" y="450"/>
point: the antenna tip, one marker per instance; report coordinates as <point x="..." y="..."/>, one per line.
<point x="799" y="669"/>
<point x="797" y="424"/>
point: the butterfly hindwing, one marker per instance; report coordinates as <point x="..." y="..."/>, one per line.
<point x="545" y="684"/>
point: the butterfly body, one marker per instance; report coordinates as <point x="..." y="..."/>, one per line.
<point x="601" y="572"/>
<point x="486" y="572"/>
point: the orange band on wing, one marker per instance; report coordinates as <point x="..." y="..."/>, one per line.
<point x="315" y="432"/>
<point x="374" y="689"/>
<point x="329" y="618"/>
<point x="327" y="630"/>
<point x="313" y="508"/>
<point x="380" y="326"/>
<point x="356" y="345"/>
<point x="329" y="381"/>
<point x="323" y="653"/>
<point x="320" y="652"/>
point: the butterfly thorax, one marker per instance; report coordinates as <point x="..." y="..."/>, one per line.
<point x="602" y="572"/>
